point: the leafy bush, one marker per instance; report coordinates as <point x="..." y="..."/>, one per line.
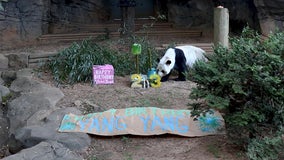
<point x="265" y="149"/>
<point x="74" y="64"/>
<point x="246" y="83"/>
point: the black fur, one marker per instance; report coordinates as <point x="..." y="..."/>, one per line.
<point x="180" y="66"/>
<point x="166" y="77"/>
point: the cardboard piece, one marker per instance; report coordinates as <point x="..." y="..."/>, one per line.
<point x="144" y="121"/>
<point x="103" y="74"/>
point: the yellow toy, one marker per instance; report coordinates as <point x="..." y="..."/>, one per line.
<point x="139" y="81"/>
<point x="155" y="80"/>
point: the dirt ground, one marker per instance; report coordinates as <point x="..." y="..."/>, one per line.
<point x="171" y="94"/>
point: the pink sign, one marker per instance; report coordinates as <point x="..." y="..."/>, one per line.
<point x="103" y="74"/>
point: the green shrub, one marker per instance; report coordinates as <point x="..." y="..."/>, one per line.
<point x="246" y="83"/>
<point x="74" y="64"/>
<point x="266" y="148"/>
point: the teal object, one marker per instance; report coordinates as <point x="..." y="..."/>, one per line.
<point x="151" y="72"/>
<point x="209" y="123"/>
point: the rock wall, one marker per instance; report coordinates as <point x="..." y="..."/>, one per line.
<point x="242" y="13"/>
<point x="194" y="13"/>
<point x="270" y="15"/>
<point x="73" y="12"/>
<point x="23" y="21"/>
<point x="199" y="13"/>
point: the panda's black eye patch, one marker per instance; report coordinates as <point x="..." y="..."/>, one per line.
<point x="168" y="62"/>
<point x="163" y="71"/>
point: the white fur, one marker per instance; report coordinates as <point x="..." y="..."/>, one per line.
<point x="191" y="53"/>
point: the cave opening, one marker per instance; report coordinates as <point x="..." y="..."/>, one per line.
<point x="236" y="26"/>
<point x="68" y="2"/>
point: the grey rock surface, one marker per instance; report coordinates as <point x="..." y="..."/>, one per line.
<point x="45" y="151"/>
<point x="3" y="62"/>
<point x="3" y="129"/>
<point x="4" y="91"/>
<point x="1" y="80"/>
<point x="26" y="85"/>
<point x="23" y="107"/>
<point x="48" y="130"/>
<point x="17" y="61"/>
<point x="8" y="76"/>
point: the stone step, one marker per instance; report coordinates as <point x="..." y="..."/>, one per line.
<point x="150" y="33"/>
<point x="143" y="27"/>
<point x="114" y="26"/>
<point x="39" y="59"/>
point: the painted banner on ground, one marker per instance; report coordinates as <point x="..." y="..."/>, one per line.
<point x="144" y="121"/>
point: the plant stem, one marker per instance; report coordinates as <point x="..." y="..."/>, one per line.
<point x="150" y="58"/>
<point x="137" y="65"/>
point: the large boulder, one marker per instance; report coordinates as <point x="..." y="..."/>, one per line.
<point x="34" y="97"/>
<point x="4" y="92"/>
<point x="4" y="128"/>
<point x="25" y="72"/>
<point x="17" y="61"/>
<point x="1" y="80"/>
<point x="23" y="107"/>
<point x="26" y="85"/>
<point x="51" y="150"/>
<point x="4" y="123"/>
<point x="3" y="62"/>
<point x="34" y="120"/>
<point x="8" y="76"/>
<point x="47" y="130"/>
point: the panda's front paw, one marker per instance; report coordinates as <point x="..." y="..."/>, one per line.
<point x="180" y="79"/>
<point x="164" y="79"/>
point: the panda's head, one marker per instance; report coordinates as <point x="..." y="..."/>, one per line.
<point x="166" y="63"/>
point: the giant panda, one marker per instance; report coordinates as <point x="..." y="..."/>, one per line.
<point x="180" y="58"/>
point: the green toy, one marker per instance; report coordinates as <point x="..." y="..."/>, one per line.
<point x="136" y="50"/>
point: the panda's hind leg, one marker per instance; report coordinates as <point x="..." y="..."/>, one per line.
<point x="180" y="65"/>
<point x="182" y="69"/>
<point x="181" y="77"/>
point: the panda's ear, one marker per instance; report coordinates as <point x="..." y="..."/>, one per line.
<point x="168" y="62"/>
